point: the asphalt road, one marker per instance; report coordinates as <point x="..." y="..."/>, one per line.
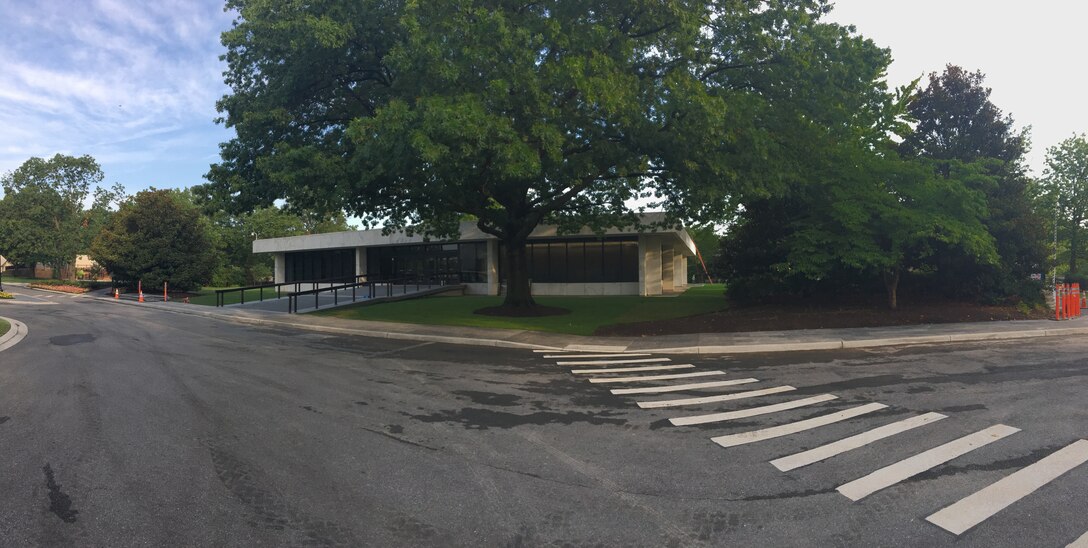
<point x="129" y="427"/>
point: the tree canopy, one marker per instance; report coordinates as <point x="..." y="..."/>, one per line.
<point x="414" y="114"/>
<point x="1064" y="187"/>
<point x="157" y="237"/>
<point x="960" y="130"/>
<point x="42" y="216"/>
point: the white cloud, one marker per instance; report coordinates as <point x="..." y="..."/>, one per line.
<point x="133" y="84"/>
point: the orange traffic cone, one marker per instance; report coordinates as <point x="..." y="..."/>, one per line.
<point x="116" y="293"/>
<point x="141" y="296"/>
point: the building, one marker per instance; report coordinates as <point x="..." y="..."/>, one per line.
<point x="618" y="262"/>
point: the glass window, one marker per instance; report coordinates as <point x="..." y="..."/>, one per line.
<point x="576" y="262"/>
<point x="611" y="260"/>
<point x="629" y="262"/>
<point x="594" y="260"/>
<point x="538" y="263"/>
<point x="557" y="261"/>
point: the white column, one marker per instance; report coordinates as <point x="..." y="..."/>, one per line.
<point x="679" y="271"/>
<point x="649" y="265"/>
<point x="667" y="276"/>
<point x="279" y="271"/>
<point x="492" y="267"/>
<point x="360" y="261"/>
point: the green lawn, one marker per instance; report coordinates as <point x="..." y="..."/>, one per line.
<point x="4" y="326"/>
<point x="206" y="296"/>
<point x="587" y="313"/>
<point x="14" y="280"/>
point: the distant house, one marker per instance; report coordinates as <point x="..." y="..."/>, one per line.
<point x="82" y="268"/>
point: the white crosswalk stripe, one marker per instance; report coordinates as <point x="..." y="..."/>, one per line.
<point x="976" y="508"/>
<point x="832" y="449"/>
<point x="615" y="362"/>
<point x="752" y="411"/>
<point x="1081" y="542"/>
<point x="794" y="427"/>
<point x="912" y="466"/>
<point x="581" y="356"/>
<point x="654" y="404"/>
<point x="657" y="377"/>
<point x="682" y="387"/>
<point x="633" y="369"/>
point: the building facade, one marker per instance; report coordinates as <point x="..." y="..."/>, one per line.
<point x="618" y="262"/>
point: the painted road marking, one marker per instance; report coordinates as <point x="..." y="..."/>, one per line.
<point x="594" y="348"/>
<point x="615" y="362"/>
<point x="658" y="377"/>
<point x="795" y="427"/>
<point x="681" y="387"/>
<point x="976" y="508"/>
<point x="633" y="369"/>
<point x="712" y="399"/>
<point x="625" y="355"/>
<point x="752" y="411"/>
<point x="824" y="452"/>
<point x="912" y="466"/>
<point x="1081" y="542"/>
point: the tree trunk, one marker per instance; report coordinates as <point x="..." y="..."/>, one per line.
<point x="891" y="284"/>
<point x="518" y="292"/>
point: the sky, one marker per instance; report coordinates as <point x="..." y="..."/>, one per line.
<point x="1031" y="54"/>
<point x="134" y="83"/>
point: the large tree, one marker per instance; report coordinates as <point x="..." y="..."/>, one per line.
<point x="1064" y="187"/>
<point x="414" y="114"/>
<point x="158" y="236"/>
<point x="958" y="125"/>
<point x="42" y="216"/>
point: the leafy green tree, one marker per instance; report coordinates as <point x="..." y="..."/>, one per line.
<point x="157" y="237"/>
<point x="958" y="124"/>
<point x="415" y="114"/>
<point x="1064" y="187"/>
<point x="42" y="219"/>
<point x="234" y="234"/>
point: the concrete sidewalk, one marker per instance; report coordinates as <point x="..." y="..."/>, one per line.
<point x="701" y="343"/>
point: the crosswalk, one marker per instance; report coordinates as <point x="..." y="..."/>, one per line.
<point x="609" y="367"/>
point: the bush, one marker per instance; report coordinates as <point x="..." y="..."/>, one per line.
<point x="4" y="295"/>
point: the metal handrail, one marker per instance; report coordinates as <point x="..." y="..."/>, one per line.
<point x="220" y="294"/>
<point x="372" y="291"/>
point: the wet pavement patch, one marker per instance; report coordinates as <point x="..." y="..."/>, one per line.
<point x="59" y="502"/>
<point x="4" y="419"/>
<point x="69" y="340"/>
<point x="482" y="419"/>
<point x="311" y="409"/>
<point x="489" y="398"/>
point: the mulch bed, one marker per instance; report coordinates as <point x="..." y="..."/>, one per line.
<point x="61" y="288"/>
<point x="791" y="317"/>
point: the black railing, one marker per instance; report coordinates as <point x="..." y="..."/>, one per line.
<point x="220" y="294"/>
<point x="371" y="288"/>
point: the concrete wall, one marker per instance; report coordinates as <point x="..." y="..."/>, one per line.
<point x="587" y="289"/>
<point x="679" y="272"/>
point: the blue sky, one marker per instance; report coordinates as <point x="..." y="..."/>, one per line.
<point x="133" y="84"/>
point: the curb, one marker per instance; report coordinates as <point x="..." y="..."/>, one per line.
<point x="14" y="335"/>
<point x="417" y="337"/>
<point x="690" y="350"/>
